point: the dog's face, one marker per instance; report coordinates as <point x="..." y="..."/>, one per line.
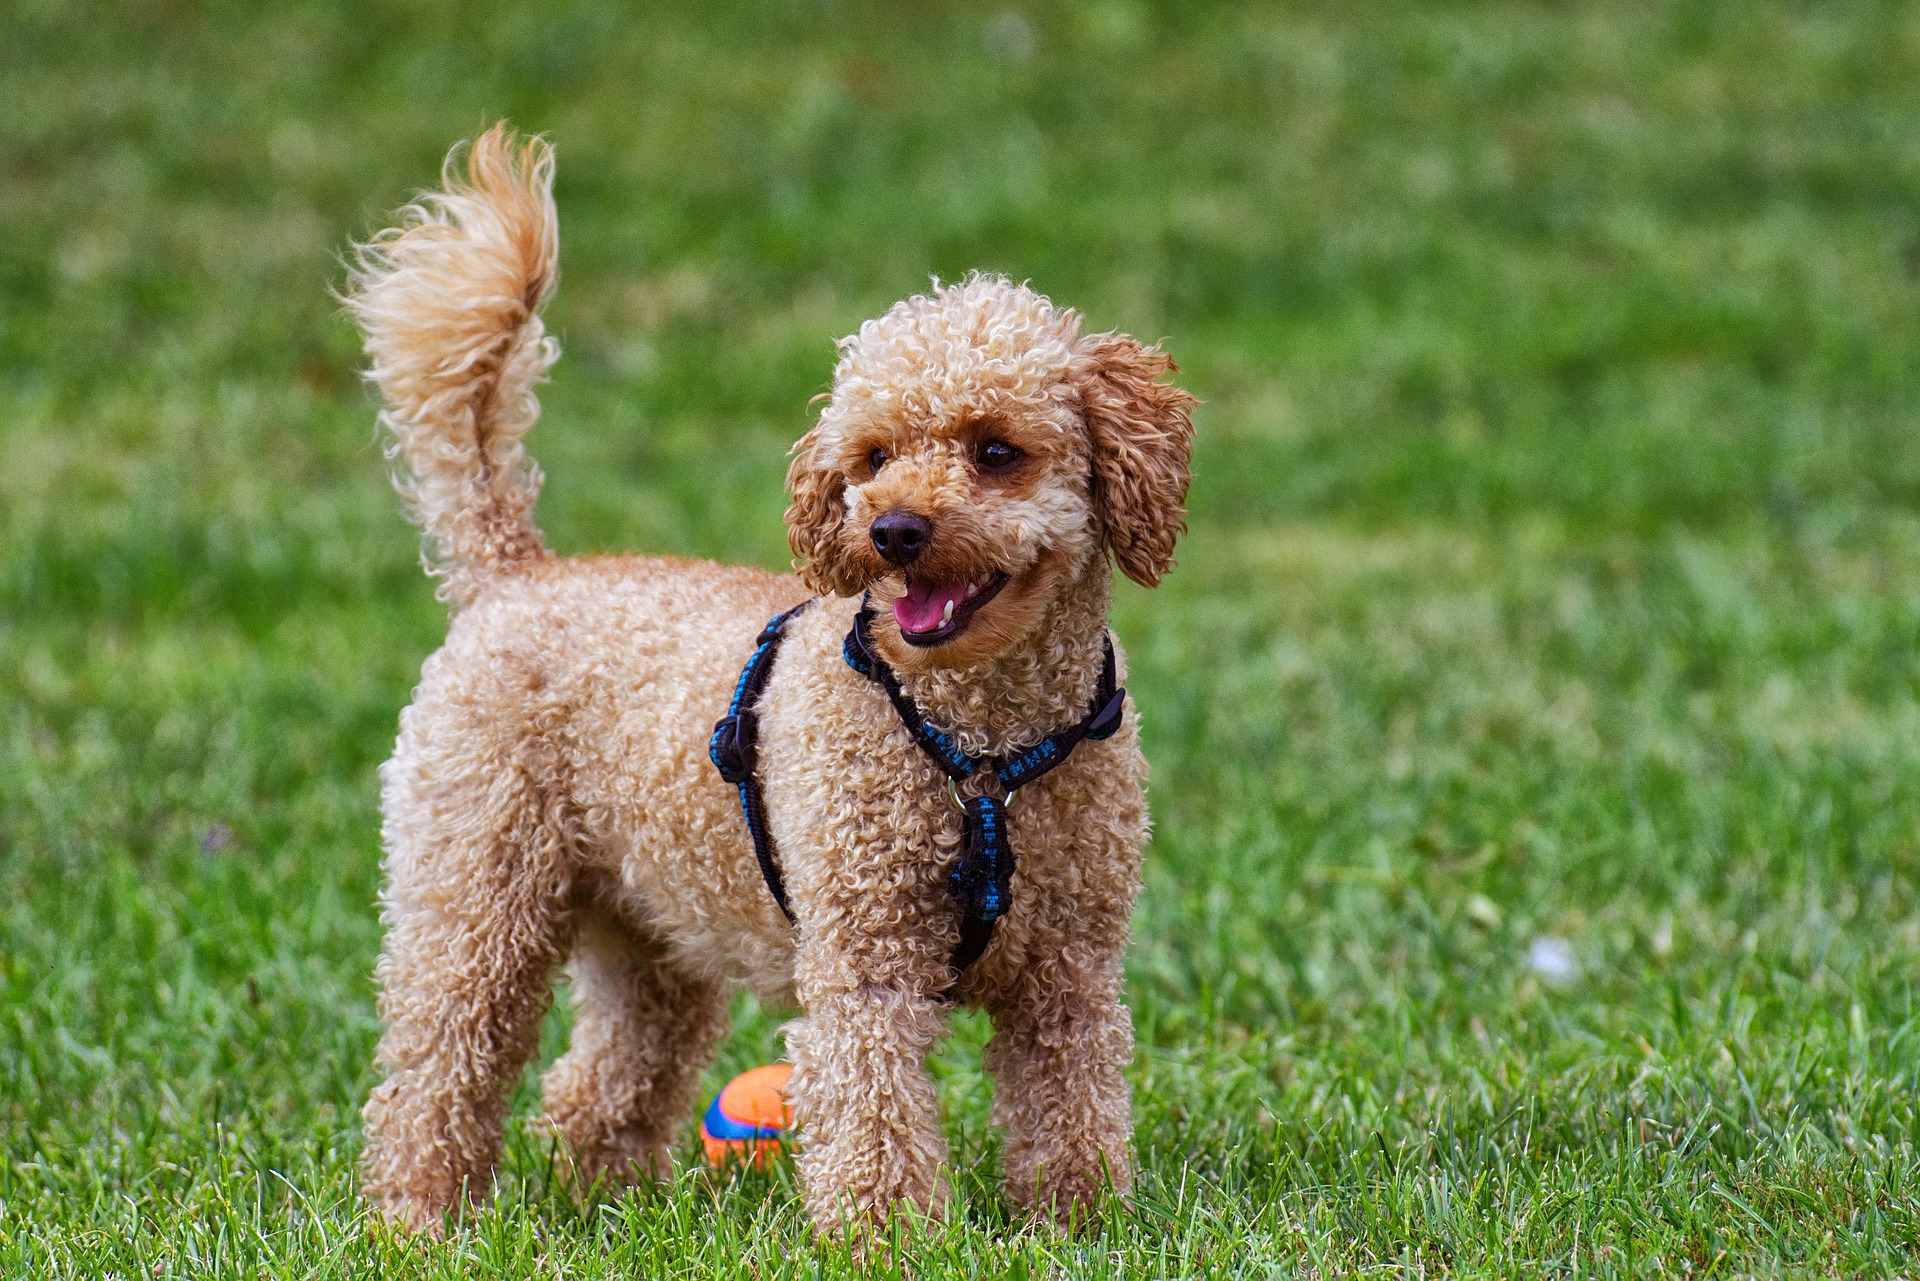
<point x="977" y="455"/>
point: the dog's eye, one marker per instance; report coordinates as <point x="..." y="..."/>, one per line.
<point x="876" y="460"/>
<point x="997" y="455"/>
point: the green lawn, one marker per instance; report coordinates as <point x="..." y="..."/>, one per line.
<point x="1554" y="575"/>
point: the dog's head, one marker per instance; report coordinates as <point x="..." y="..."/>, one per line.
<point x="977" y="456"/>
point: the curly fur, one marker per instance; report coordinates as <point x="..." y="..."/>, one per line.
<point x="550" y="798"/>
<point x="450" y="303"/>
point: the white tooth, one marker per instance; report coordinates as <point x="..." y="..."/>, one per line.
<point x="973" y="589"/>
<point x="946" y="615"/>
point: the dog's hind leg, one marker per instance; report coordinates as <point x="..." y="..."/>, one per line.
<point x="644" y="1028"/>
<point x="476" y="924"/>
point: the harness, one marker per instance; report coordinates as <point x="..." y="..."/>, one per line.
<point x="982" y="879"/>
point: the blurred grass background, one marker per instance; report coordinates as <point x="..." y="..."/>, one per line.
<point x="1554" y="575"/>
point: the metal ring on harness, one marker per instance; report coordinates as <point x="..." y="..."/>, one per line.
<point x="953" y="790"/>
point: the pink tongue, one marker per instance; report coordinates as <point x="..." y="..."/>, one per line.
<point x="920" y="609"/>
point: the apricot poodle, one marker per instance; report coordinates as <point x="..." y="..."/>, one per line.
<point x="552" y="800"/>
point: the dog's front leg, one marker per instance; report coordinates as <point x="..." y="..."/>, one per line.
<point x="868" y="1115"/>
<point x="1061" y="1045"/>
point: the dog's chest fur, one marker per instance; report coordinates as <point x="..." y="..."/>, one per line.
<point x="868" y="831"/>
<point x="865" y="829"/>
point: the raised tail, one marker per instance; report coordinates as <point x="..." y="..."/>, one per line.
<point x="450" y="303"/>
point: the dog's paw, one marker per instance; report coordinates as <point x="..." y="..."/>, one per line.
<point x="412" y="1216"/>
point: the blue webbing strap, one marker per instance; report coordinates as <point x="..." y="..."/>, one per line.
<point x="982" y="880"/>
<point x="733" y="748"/>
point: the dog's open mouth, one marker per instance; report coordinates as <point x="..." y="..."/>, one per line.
<point x="931" y="613"/>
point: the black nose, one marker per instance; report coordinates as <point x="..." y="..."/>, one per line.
<point x="900" y="536"/>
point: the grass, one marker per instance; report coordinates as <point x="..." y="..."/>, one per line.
<point x="1554" y="574"/>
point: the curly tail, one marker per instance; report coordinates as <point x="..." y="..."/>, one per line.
<point x="450" y="303"/>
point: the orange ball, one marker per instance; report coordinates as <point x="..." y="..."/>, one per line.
<point x="749" y="1119"/>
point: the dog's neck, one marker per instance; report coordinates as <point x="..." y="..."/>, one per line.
<point x="1041" y="683"/>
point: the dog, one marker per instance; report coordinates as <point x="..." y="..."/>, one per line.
<point x="552" y="798"/>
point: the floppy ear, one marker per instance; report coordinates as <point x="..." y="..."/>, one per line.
<point x="814" y="518"/>
<point x="1142" y="432"/>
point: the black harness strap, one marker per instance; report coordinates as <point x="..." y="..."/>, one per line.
<point x="1101" y="721"/>
<point x="735" y="738"/>
<point x="982" y="881"/>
